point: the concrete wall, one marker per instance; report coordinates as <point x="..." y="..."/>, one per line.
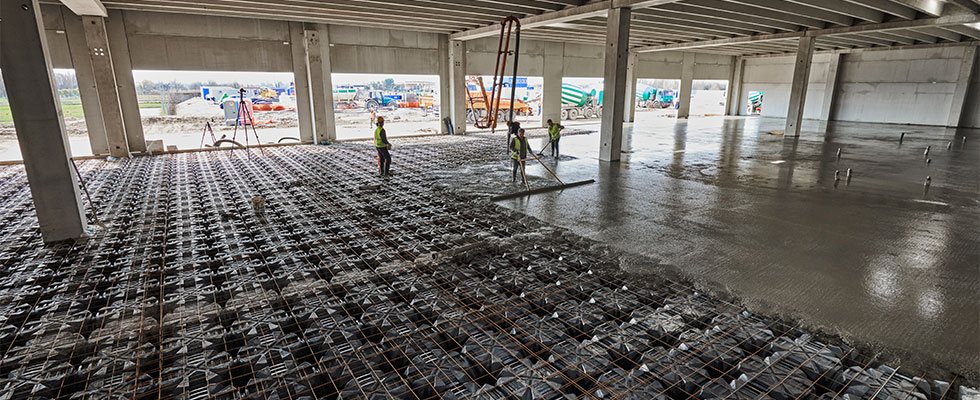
<point x="381" y="51"/>
<point x="905" y="86"/>
<point x="586" y="61"/>
<point x="774" y="77"/>
<point x="160" y="41"/>
<point x="481" y="57"/>
<point x="971" y="110"/>
<point x="668" y="65"/>
<point x="54" y="29"/>
<point x="191" y="42"/>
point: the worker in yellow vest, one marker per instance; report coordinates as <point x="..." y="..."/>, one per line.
<point x="554" y="132"/>
<point x="381" y="143"/>
<point x="518" y="152"/>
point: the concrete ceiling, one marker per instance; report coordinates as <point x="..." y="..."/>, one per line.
<point x="736" y="27"/>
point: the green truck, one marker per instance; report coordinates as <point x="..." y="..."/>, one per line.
<point x="576" y="102"/>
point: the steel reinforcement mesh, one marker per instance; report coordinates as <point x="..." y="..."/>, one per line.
<point x="342" y="290"/>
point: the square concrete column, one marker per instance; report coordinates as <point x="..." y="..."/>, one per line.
<point x="321" y="84"/>
<point x="87" y="90"/>
<point x="457" y="89"/>
<point x="962" y="85"/>
<point x="445" y="84"/>
<point x="105" y="83"/>
<point x="301" y="82"/>
<point x="125" y="83"/>
<point x="630" y="113"/>
<point x="687" y="86"/>
<point x="830" y="87"/>
<point x="554" y="70"/>
<point x="733" y="101"/>
<point x="801" y="79"/>
<point x="614" y="84"/>
<point x="34" y="105"/>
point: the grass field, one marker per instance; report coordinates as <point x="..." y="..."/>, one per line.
<point x="70" y="107"/>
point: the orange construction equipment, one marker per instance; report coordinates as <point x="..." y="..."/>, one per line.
<point x="476" y="110"/>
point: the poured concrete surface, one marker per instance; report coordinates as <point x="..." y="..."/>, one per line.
<point x="879" y="260"/>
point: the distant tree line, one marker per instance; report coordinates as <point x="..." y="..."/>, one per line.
<point x="65" y="81"/>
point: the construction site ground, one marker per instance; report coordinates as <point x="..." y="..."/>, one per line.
<point x="347" y="284"/>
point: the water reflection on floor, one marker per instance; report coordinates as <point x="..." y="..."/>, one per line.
<point x="879" y="257"/>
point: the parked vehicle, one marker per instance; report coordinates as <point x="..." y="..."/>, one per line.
<point x="576" y="102"/>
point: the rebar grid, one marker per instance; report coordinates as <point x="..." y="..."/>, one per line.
<point x="340" y="291"/>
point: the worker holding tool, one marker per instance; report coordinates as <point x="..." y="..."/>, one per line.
<point x="518" y="152"/>
<point x="554" y="132"/>
<point x="381" y="143"/>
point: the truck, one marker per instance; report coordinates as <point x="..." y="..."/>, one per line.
<point x="476" y="105"/>
<point x="362" y="97"/>
<point x="755" y="103"/>
<point x="657" y="98"/>
<point x="576" y="102"/>
<point x="372" y="99"/>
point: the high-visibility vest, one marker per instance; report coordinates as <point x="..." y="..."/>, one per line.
<point x="377" y="138"/>
<point x="516" y="152"/>
<point x="554" y="131"/>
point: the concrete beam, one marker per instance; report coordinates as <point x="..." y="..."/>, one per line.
<point x="687" y="86"/>
<point x="105" y="82"/>
<point x="122" y="66"/>
<point x="928" y="7"/>
<point x="842" y="7"/>
<point x="457" y="90"/>
<point x="733" y="102"/>
<point x="887" y="6"/>
<point x="36" y="111"/>
<point x="962" y="86"/>
<point x="553" y="65"/>
<point x="90" y="8"/>
<point x="596" y="9"/>
<point x="801" y="79"/>
<point x="87" y="90"/>
<point x="630" y="113"/>
<point x="830" y="87"/>
<point x="614" y="84"/>
<point x="301" y="82"/>
<point x="321" y="85"/>
<point x="960" y="19"/>
<point x="445" y="84"/>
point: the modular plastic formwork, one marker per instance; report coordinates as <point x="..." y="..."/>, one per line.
<point x="337" y="289"/>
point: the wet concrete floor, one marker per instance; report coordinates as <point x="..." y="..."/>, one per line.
<point x="880" y="260"/>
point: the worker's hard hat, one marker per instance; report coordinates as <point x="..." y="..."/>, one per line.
<point x="381" y="119"/>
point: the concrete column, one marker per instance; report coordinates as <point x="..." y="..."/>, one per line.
<point x="830" y="87"/>
<point x="554" y="69"/>
<point x="301" y="82"/>
<point x="457" y="89"/>
<point x="630" y="113"/>
<point x="321" y="84"/>
<point x="687" y="86"/>
<point x="733" y="102"/>
<point x="37" y="116"/>
<point x="801" y="78"/>
<point x="105" y="83"/>
<point x="82" y="64"/>
<point x="125" y="83"/>
<point x="962" y="85"/>
<point x="445" y="83"/>
<point x="614" y="84"/>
